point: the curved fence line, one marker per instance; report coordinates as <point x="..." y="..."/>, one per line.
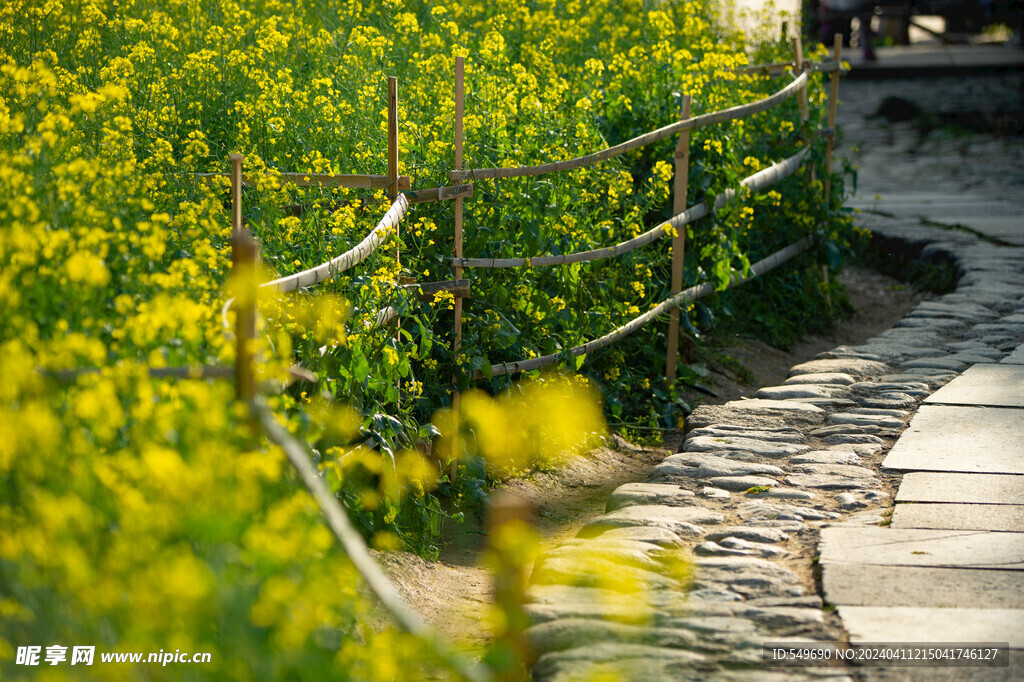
<point x="691" y="294"/>
<point x="339" y="264"/>
<point x="756" y="182"/>
<point x="355" y="547"/>
<point x="701" y="121"/>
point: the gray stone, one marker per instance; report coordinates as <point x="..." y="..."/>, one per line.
<point x="880" y="421"/>
<point x="749" y="576"/>
<point x="827" y="457"/>
<point x="793" y="391"/>
<point x="751" y="533"/>
<point x="888" y="386"/>
<point x="880" y="411"/>
<point x="613" y="661"/>
<point x="853" y="366"/>
<point x="741" y="483"/>
<point x="786" y="617"/>
<point x="831" y="429"/>
<point x="944" y="362"/>
<point x="984" y="385"/>
<point x="782" y="435"/>
<point x="714" y="493"/>
<point x="848" y="501"/>
<point x="661" y="537"/>
<point x="930" y="380"/>
<point x="570" y="633"/>
<point x="866" y="518"/>
<point x="847" y="584"/>
<point x="831" y="479"/>
<point x="648" y="493"/>
<point x="757" y="447"/>
<point x="892" y="400"/>
<point x="622" y="552"/>
<point x="930" y="323"/>
<point x="914" y="547"/>
<point x="635" y="614"/>
<point x="830" y="378"/>
<point x="1007" y="517"/>
<point x="760" y="512"/>
<point x="682" y="521"/>
<point x="916" y="624"/>
<point x="860" y="449"/>
<point x="760" y="414"/>
<point x="811" y="601"/>
<point x="927" y="486"/>
<point x="709" y="548"/>
<point x="1014" y="358"/>
<point x="598" y="572"/>
<point x="700" y="465"/>
<point x="752" y="548"/>
<point x="853" y="439"/>
<point x="716" y="625"/>
<point x="781" y="494"/>
<point x="961" y="439"/>
<point x="557" y="595"/>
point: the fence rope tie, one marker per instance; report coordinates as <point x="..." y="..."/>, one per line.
<point x="701" y="121"/>
<point x="756" y="182"/>
<point x="692" y="294"/>
<point x="354" y="546"/>
<point x="352" y="257"/>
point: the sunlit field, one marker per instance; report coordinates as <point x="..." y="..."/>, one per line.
<point x="143" y="514"/>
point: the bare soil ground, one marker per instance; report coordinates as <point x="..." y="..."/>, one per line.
<point x="453" y="593"/>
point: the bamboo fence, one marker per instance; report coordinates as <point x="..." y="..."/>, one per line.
<point x="245" y="257"/>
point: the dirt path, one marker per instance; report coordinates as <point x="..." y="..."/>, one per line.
<point x="453" y="593"/>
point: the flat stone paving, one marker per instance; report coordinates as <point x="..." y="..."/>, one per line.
<point x="964" y="439"/>
<point x="688" y="575"/>
<point x="985" y="386"/>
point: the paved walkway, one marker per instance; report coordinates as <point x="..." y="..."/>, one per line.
<point x="691" y="572"/>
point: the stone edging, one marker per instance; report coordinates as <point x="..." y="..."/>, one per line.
<point x="691" y="571"/>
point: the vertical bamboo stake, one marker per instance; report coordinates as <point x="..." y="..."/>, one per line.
<point x="801" y="97"/>
<point x="393" y="143"/>
<point x="393" y="184"/>
<point x="508" y="524"/>
<point x="460" y="75"/>
<point x="833" y="105"/>
<point x="682" y="172"/>
<point x="243" y="270"/>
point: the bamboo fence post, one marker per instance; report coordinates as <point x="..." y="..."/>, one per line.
<point x="833" y="106"/>
<point x="460" y="90"/>
<point x="243" y="269"/>
<point x="393" y="146"/>
<point x="682" y="172"/>
<point x="801" y="97"/>
<point x="509" y="516"/>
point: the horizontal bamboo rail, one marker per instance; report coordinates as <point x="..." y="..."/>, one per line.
<point x="66" y="376"/>
<point x="320" y="180"/>
<point x="339" y="264"/>
<point x="691" y="294"/>
<point x="701" y="121"/>
<point x="355" y="547"/>
<point x="755" y="182"/>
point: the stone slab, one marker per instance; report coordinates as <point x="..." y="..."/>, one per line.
<point x="1014" y="358"/>
<point x="928" y="486"/>
<point x="1006" y="517"/>
<point x="995" y="385"/>
<point x="917" y="624"/>
<point x="925" y="586"/>
<point x="873" y="546"/>
<point x="964" y="439"/>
